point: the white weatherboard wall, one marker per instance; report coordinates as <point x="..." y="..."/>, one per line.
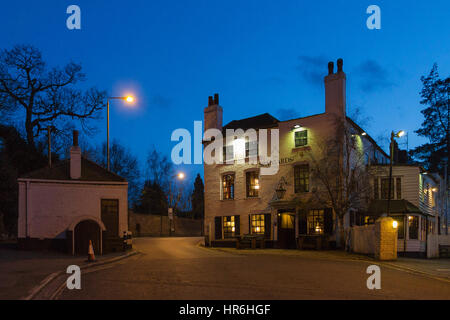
<point x="47" y="209"/>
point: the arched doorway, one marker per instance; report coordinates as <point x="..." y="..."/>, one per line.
<point x="84" y="231"/>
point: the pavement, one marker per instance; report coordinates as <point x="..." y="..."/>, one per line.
<point x="22" y="272"/>
<point x="179" y="268"/>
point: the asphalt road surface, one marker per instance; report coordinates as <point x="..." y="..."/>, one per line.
<point x="177" y="268"/>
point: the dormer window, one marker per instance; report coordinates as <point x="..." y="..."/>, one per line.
<point x="301" y="138"/>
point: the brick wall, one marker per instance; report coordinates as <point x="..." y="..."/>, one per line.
<point x="144" y="225"/>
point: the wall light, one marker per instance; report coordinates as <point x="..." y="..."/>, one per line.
<point x="394" y="224"/>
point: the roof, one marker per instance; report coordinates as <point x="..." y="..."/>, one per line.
<point x="264" y="120"/>
<point x="378" y="207"/>
<point x="357" y="127"/>
<point x="90" y="171"/>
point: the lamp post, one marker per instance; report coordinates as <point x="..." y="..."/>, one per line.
<point x="391" y="160"/>
<point x="128" y="99"/>
<point x="170" y="210"/>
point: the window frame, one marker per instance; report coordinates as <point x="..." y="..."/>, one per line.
<point x="318" y="219"/>
<point x="226" y="186"/>
<point x="302" y="139"/>
<point x="255" y="223"/>
<point x="301" y="178"/>
<point x="252" y="189"/>
<point x="228" y="227"/>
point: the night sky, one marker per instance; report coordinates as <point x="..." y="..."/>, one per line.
<point x="260" y="56"/>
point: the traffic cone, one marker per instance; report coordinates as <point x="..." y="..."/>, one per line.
<point x="91" y="256"/>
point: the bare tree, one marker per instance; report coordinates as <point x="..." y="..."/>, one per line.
<point x="340" y="172"/>
<point x="123" y="163"/>
<point x="44" y="97"/>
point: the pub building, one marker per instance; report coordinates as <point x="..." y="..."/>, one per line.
<point x="280" y="208"/>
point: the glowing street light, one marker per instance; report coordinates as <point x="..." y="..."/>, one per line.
<point x="128" y="99"/>
<point x="399" y="134"/>
<point x="180" y="175"/>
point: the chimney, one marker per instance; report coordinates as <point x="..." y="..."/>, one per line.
<point x="335" y="89"/>
<point x="213" y="113"/>
<point x="75" y="158"/>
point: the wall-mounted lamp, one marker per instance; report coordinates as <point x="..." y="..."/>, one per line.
<point x="364" y="134"/>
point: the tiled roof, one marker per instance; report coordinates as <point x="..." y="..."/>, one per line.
<point x="264" y="120"/>
<point x="378" y="207"/>
<point x="90" y="171"/>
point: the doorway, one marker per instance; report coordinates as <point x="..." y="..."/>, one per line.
<point x="286" y="229"/>
<point x="84" y="231"/>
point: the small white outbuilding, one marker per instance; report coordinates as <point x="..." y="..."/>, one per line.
<point x="64" y="206"/>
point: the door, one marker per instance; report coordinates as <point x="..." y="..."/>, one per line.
<point x="286" y="230"/>
<point x="110" y="217"/>
<point x="84" y="231"/>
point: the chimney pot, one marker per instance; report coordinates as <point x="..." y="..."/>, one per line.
<point x="330" y="67"/>
<point x="340" y="63"/>
<point x="75" y="138"/>
<point x="216" y="98"/>
<point x="210" y="101"/>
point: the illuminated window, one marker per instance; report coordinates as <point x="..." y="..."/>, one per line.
<point x="257" y="224"/>
<point x="252" y="182"/>
<point x="301" y="138"/>
<point x="413" y="225"/>
<point x="301" y="178"/>
<point x="228" y="186"/>
<point x="229" y="227"/>
<point x="316" y="221"/>
<point x="287" y="221"/>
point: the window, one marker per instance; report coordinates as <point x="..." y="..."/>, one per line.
<point x="228" y="186"/>
<point x="228" y="153"/>
<point x="251" y="149"/>
<point x="398" y="188"/>
<point x="423" y="228"/>
<point x="301" y="178"/>
<point x="252" y="182"/>
<point x="301" y="138"/>
<point x="229" y="227"/>
<point x="400" y="227"/>
<point x="257" y="224"/>
<point x="376" y="190"/>
<point x="413" y="225"/>
<point x="385" y="188"/>
<point x="316" y="221"/>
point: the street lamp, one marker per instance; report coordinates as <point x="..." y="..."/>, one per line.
<point x="179" y="176"/>
<point x="399" y="134"/>
<point x="128" y="99"/>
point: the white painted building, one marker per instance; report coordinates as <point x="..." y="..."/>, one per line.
<point x="239" y="200"/>
<point x="417" y="204"/>
<point x="64" y="206"/>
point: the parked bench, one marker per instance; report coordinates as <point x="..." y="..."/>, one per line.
<point x="444" y="251"/>
<point x="250" y="241"/>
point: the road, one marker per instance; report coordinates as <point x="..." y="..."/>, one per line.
<point x="177" y="268"/>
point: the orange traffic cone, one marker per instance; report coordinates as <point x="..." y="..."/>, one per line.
<point x="91" y="256"/>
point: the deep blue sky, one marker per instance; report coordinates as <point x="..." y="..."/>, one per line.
<point x="260" y="56"/>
